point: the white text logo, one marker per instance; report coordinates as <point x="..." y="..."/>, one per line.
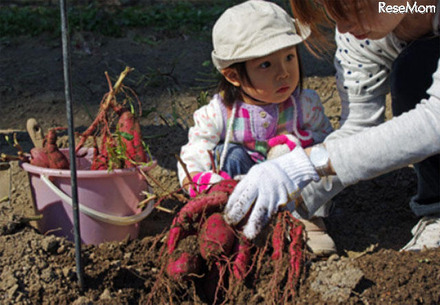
<point x="408" y="8"/>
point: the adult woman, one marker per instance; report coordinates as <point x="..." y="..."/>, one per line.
<point x="376" y="50"/>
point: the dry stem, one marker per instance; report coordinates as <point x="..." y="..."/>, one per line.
<point x="187" y="173"/>
<point x="109" y="100"/>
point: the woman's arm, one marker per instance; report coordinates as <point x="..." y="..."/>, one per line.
<point x="362" y="72"/>
<point x="406" y="139"/>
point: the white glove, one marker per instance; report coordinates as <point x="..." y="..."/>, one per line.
<point x="267" y="187"/>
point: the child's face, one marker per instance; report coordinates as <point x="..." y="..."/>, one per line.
<point x="273" y="77"/>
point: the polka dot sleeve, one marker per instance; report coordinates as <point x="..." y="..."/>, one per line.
<point x="363" y="66"/>
<point x="202" y="138"/>
<point x="362" y="72"/>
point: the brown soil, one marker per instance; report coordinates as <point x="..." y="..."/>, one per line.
<point x="370" y="222"/>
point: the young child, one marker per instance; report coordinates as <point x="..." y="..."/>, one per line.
<point x="260" y="106"/>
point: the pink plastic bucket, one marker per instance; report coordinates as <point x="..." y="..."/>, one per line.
<point x="107" y="200"/>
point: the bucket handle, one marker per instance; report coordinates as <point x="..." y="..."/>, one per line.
<point x="107" y="218"/>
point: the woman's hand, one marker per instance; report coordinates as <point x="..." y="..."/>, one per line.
<point x="267" y="187"/>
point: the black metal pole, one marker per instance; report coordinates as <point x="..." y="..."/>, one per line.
<point x="69" y="112"/>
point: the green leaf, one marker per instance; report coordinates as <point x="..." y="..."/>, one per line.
<point x="127" y="136"/>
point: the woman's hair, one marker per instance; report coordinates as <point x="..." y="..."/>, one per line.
<point x="231" y="93"/>
<point x="316" y="14"/>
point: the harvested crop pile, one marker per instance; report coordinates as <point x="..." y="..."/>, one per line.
<point x="205" y="258"/>
<point x="118" y="127"/>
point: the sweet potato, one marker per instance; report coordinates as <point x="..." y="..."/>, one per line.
<point x="49" y="156"/>
<point x="295" y="251"/>
<point x="227" y="259"/>
<point x="185" y="261"/>
<point x="225" y="186"/>
<point x="216" y="237"/>
<point x="176" y="233"/>
<point x="100" y="156"/>
<point x="206" y="204"/>
<point x="99" y="162"/>
<point x="182" y="266"/>
<point x="39" y="157"/>
<point x="56" y="158"/>
<point x="278" y="238"/>
<point x="130" y="130"/>
<point x="241" y="262"/>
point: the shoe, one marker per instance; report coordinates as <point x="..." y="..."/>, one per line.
<point x="426" y="234"/>
<point x="317" y="239"/>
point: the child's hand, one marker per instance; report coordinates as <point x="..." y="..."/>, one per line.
<point x="305" y="138"/>
<point x="205" y="180"/>
<point x="285" y="143"/>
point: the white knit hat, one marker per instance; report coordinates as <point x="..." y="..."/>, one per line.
<point x="253" y="29"/>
